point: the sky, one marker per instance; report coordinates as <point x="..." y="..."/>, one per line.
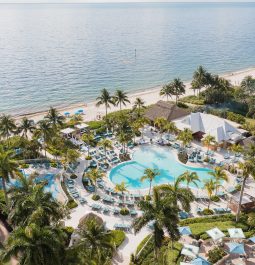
<point x="117" y="1"/>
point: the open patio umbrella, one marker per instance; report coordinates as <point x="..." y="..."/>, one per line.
<point x="190" y="250"/>
<point x="252" y="239"/>
<point x="215" y="233"/>
<point x="200" y="261"/>
<point x="236" y="233"/>
<point x="184" y="230"/>
<point x="236" y="248"/>
<point x="66" y="113"/>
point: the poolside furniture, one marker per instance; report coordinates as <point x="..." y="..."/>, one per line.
<point x="90" y="188"/>
<point x="116" y="211"/>
<point x="133" y="212"/>
<point x="96" y="206"/>
<point x="183" y="215"/>
<point x="122" y="227"/>
<point x="108" y="199"/>
<point x="226" y="156"/>
<point x="82" y="201"/>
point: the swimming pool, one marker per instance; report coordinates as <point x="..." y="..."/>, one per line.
<point x="161" y="158"/>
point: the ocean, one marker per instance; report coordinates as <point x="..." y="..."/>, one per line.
<point x="61" y="54"/>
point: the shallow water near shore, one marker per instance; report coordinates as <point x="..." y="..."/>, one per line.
<point x="59" y="54"/>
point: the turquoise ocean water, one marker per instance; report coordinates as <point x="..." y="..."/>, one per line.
<point x="58" y="54"/>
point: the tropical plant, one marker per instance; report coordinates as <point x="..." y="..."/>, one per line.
<point x="190" y="177"/>
<point x="55" y="118"/>
<point x="94" y="175"/>
<point x="25" y="127"/>
<point x="170" y="127"/>
<point x="201" y="78"/>
<point x="105" y="99"/>
<point x="208" y="140"/>
<point x="160" y="123"/>
<point x="121" y="187"/>
<point x="236" y="148"/>
<point x="95" y="240"/>
<point x="166" y="91"/>
<point x="150" y="175"/>
<point x="210" y="187"/>
<point x="7" y="126"/>
<point x="88" y="139"/>
<point x="219" y="174"/>
<point x="35" y="244"/>
<point x="248" y="85"/>
<point x="70" y="156"/>
<point x="106" y="144"/>
<point x="164" y="215"/>
<point x="139" y="104"/>
<point x="248" y="169"/>
<point x="124" y="138"/>
<point x="8" y="168"/>
<point x="178" y="88"/>
<point x="185" y="137"/>
<point x="141" y="122"/>
<point x="120" y="98"/>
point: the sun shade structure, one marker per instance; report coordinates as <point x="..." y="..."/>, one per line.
<point x="236" y="248"/>
<point x="82" y="126"/>
<point x="215" y="233"/>
<point x="200" y="261"/>
<point x="252" y="239"/>
<point x="185" y="230"/>
<point x="190" y="250"/>
<point x="67" y="131"/>
<point x="185" y="263"/>
<point x="236" y="233"/>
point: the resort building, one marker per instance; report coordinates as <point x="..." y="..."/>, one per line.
<point x="167" y="110"/>
<point x="201" y="124"/>
<point x="247" y="204"/>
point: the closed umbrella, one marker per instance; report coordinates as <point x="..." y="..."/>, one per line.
<point x="236" y="248"/>
<point x="200" y="261"/>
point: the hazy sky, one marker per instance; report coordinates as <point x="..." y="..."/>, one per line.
<point x="118" y="1"/>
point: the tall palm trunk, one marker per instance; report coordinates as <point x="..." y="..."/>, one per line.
<point x="240" y="200"/>
<point x="150" y="188"/>
<point x="5" y="191"/>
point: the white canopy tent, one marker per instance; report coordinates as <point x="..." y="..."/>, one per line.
<point x="67" y="131"/>
<point x="81" y="126"/>
<point x="190" y="250"/>
<point x="215" y="234"/>
<point x="236" y="233"/>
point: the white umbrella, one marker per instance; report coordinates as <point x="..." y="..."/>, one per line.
<point x="215" y="233"/>
<point x="190" y="250"/>
<point x="236" y="233"/>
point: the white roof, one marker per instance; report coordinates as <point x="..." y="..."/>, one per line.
<point x="221" y="129"/>
<point x="236" y="233"/>
<point x="190" y="250"/>
<point x="81" y="126"/>
<point x="67" y="130"/>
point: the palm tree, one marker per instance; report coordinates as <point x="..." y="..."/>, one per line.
<point x="219" y="175"/>
<point x="120" y="98"/>
<point x="248" y="168"/>
<point x="201" y="78"/>
<point x="26" y="126"/>
<point x="106" y="144"/>
<point x="185" y="137"/>
<point x="248" y="84"/>
<point x="179" y="195"/>
<point x="95" y="239"/>
<point x="139" y="105"/>
<point x="142" y="122"/>
<point x="209" y="186"/>
<point x="178" y="88"/>
<point x="190" y="177"/>
<point x="208" y="140"/>
<point x="45" y="131"/>
<point x="166" y="91"/>
<point x="88" y="139"/>
<point x="95" y="174"/>
<point x="70" y="156"/>
<point x="105" y="99"/>
<point x="34" y="244"/>
<point x="54" y="118"/>
<point x="8" y="168"/>
<point x="150" y="175"/>
<point x="236" y="148"/>
<point x="170" y="127"/>
<point x="164" y="215"/>
<point x="124" y="138"/>
<point x="31" y="204"/>
<point x="7" y="126"/>
<point x="122" y="187"/>
<point x="160" y="123"/>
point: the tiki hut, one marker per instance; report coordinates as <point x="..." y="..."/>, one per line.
<point x="167" y="110"/>
<point x="88" y="217"/>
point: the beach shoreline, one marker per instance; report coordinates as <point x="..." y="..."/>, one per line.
<point x="149" y="95"/>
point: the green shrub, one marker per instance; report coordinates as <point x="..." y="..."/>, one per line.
<point x="94" y="125"/>
<point x="215" y="198"/>
<point x="216" y="254"/>
<point x="95" y="197"/>
<point x="183" y="157"/>
<point x="235" y="117"/>
<point x="147" y="197"/>
<point x="54" y="164"/>
<point x="124" y="211"/>
<point x="207" y="211"/>
<point x="88" y="157"/>
<point x="238" y="187"/>
<point x="118" y="237"/>
<point x="73" y="176"/>
<point x="206" y="160"/>
<point x="193" y="100"/>
<point x="71" y="204"/>
<point x="182" y="105"/>
<point x="24" y="166"/>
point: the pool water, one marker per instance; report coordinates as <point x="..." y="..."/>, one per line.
<point x="161" y="158"/>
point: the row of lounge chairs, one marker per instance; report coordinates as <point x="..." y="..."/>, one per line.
<point x="124" y="227"/>
<point x="215" y="210"/>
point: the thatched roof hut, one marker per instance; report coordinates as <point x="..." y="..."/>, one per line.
<point x="88" y="217"/>
<point x="167" y="110"/>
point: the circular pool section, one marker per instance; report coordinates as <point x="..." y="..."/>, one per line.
<point x="161" y="158"/>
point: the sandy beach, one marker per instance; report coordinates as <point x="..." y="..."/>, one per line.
<point x="150" y="96"/>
